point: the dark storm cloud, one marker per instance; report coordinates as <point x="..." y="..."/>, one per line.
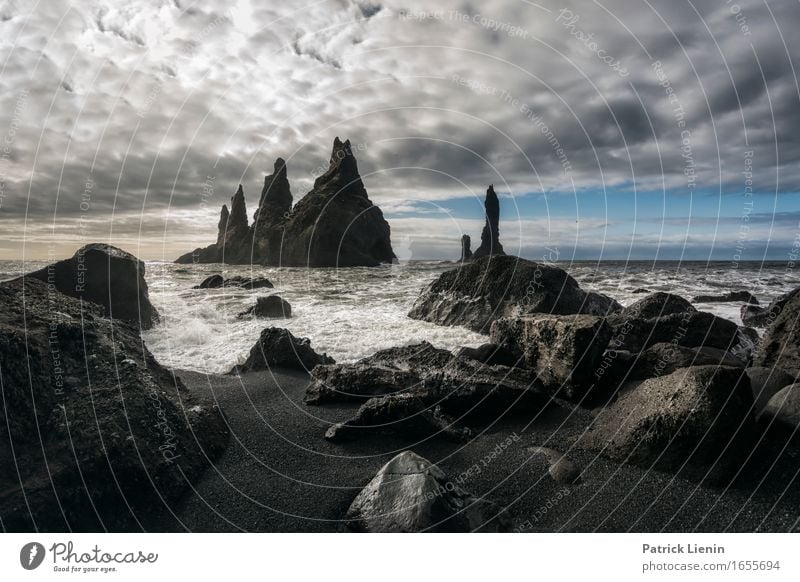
<point x="148" y="99"/>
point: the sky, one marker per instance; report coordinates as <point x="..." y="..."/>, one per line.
<point x="624" y="129"/>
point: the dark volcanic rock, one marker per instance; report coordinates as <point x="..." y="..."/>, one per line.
<point x="658" y="305"/>
<point x="695" y="421"/>
<point x="490" y="236"/>
<point x="665" y="358"/>
<point x="765" y="383"/>
<point x="403" y="414"/>
<point x="690" y="329"/>
<point x="780" y="346"/>
<point x="336" y="224"/>
<point x="781" y="415"/>
<point x="107" y="276"/>
<point x="729" y="297"/>
<point x="476" y="294"/>
<point x="466" y="251"/>
<point x="459" y="385"/>
<point x="561" y="468"/>
<point x="211" y="282"/>
<point x="270" y="306"/>
<point x="410" y="494"/>
<point x="277" y="347"/>
<point x="234" y="237"/>
<point x="491" y="354"/>
<point x="564" y="351"/>
<point x="753" y="315"/>
<point x="270" y="217"/>
<point x="97" y="429"/>
<point x="240" y="281"/>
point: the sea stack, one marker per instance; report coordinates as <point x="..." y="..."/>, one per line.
<point x="490" y="237"/>
<point x="466" y="250"/>
<point x="334" y="225"/>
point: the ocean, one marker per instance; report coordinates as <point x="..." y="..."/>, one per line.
<point x="351" y="313"/>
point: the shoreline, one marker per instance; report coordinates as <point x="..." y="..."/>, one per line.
<point x="278" y="473"/>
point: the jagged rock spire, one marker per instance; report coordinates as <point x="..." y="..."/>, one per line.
<point x="222" y="225"/>
<point x="343" y="169"/>
<point x="466" y="250"/>
<point x="276" y="197"/>
<point x="490" y="237"/>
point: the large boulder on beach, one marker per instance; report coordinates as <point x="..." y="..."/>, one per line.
<point x="271" y="306"/>
<point x="461" y="386"/>
<point x="476" y="294"/>
<point x="667" y="319"/>
<point x="107" y="276"/>
<point x="92" y="428"/>
<point x="781" y="416"/>
<point x="780" y="346"/>
<point x="766" y="382"/>
<point x="695" y="421"/>
<point x="278" y="348"/>
<point x="564" y="351"/>
<point x="400" y="414"/>
<point x="410" y="494"/>
<point x="662" y="359"/>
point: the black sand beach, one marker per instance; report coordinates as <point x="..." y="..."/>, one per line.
<point x="279" y="474"/>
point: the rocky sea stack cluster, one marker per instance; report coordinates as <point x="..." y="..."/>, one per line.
<point x="334" y="225"/>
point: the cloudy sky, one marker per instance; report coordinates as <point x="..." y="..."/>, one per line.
<point x="612" y="129"/>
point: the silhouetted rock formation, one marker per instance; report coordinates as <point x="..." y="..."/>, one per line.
<point x="107" y="276"/>
<point x="466" y="251"/>
<point x="490" y="237"/>
<point x="334" y="225"/>
<point x="93" y="428"/>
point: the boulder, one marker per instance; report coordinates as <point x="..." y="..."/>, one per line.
<point x="271" y="306"/>
<point x="491" y="354"/>
<point x="689" y="329"/>
<point x="561" y="468"/>
<point x="107" y="276"/>
<point x="781" y="416"/>
<point x="403" y="414"/>
<point x="658" y="304"/>
<point x="765" y="383"/>
<point x="753" y="315"/>
<point x="410" y="494"/>
<point x="490" y="236"/>
<point x="461" y="386"/>
<point x="729" y="297"/>
<point x="211" y="282"/>
<point x="640" y="290"/>
<point x="780" y="346"/>
<point x="665" y="358"/>
<point x="92" y="429"/>
<point x="238" y="281"/>
<point x="477" y="293"/>
<point x="277" y="347"/>
<point x="564" y="351"/>
<point x="695" y="421"/>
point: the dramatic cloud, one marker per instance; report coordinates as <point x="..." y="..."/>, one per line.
<point x="133" y="121"/>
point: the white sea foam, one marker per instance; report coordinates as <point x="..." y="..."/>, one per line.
<point x="351" y="313"/>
